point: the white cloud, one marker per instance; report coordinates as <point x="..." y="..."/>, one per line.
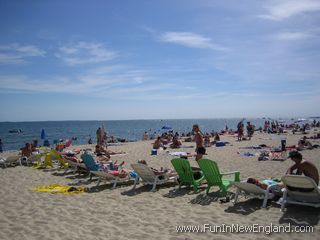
<point x="110" y="81"/>
<point x="190" y="39"/>
<point x="293" y="35"/>
<point x="85" y="53"/>
<point x="16" y="53"/>
<point x="279" y="10"/>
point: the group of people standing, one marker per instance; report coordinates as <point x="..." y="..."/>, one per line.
<point x="250" y="130"/>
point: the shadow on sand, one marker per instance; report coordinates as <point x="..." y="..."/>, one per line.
<point x="207" y="199"/>
<point x="146" y="188"/>
<point x="188" y="190"/>
<point x="298" y="215"/>
<point x="245" y="207"/>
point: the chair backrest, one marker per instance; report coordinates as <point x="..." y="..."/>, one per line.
<point x="210" y="171"/>
<point x="299" y="182"/>
<point x="183" y="168"/>
<point x="301" y="188"/>
<point x="90" y="163"/>
<point x="144" y="172"/>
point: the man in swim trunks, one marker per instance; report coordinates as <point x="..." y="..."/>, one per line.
<point x="303" y="167"/>
<point x="198" y="138"/>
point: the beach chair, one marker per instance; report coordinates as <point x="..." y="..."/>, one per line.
<point x="10" y="161"/>
<point x="186" y="175"/>
<point x="57" y="156"/>
<point x="49" y="157"/>
<point x="105" y="176"/>
<point x="31" y="160"/>
<point x="215" y="178"/>
<point x="91" y="164"/>
<point x="252" y="190"/>
<point x="46" y="163"/>
<point x="75" y="166"/>
<point x="300" y="190"/>
<point x="99" y="171"/>
<point x="149" y="177"/>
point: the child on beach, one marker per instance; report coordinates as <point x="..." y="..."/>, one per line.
<point x="207" y="142"/>
<point x="145" y="136"/>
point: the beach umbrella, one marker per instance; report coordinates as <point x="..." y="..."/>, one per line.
<point x="43" y="134"/>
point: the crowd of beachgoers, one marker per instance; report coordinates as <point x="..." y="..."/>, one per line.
<point x="262" y="156"/>
<point x="173" y="140"/>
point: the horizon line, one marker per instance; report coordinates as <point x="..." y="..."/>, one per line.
<point x="161" y="119"/>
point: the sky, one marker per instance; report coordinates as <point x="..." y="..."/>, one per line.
<point x="168" y="59"/>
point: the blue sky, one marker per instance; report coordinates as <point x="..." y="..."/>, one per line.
<point x="101" y="60"/>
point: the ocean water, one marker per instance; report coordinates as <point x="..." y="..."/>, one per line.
<point x="131" y="130"/>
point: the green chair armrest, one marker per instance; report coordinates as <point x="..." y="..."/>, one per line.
<point x="236" y="175"/>
<point x="200" y="179"/>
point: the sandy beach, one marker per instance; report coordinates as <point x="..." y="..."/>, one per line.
<point x="122" y="213"/>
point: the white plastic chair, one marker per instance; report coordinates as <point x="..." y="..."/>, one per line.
<point x="149" y="177"/>
<point x="300" y="190"/>
<point x="249" y="189"/>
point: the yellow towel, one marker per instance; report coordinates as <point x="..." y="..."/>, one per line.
<point x="56" y="188"/>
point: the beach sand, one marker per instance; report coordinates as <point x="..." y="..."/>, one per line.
<point x="122" y="213"/>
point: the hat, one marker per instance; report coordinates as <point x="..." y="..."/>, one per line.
<point x="295" y="154"/>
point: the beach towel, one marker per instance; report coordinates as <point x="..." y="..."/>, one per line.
<point x="186" y="146"/>
<point x="119" y="154"/>
<point x="251" y="147"/>
<point x="56" y="188"/>
<point x="275" y="154"/>
<point x="178" y="153"/>
<point x="249" y="154"/>
<point x="115" y="144"/>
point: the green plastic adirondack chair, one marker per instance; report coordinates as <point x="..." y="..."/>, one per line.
<point x="215" y="178"/>
<point x="186" y="175"/>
